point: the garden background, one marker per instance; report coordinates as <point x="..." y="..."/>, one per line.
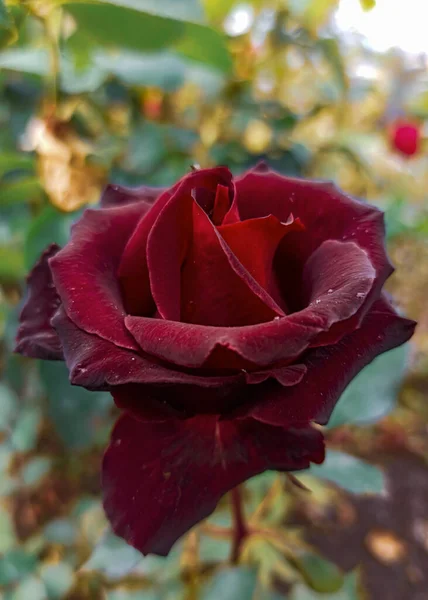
<point x="138" y="91"/>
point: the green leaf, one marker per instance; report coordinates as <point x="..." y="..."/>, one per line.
<point x="79" y="416"/>
<point x="32" y="588"/>
<point x="146" y="149"/>
<point x="20" y="191"/>
<point x="14" y="161"/>
<point x="205" y="45"/>
<point x="34" y="61"/>
<point x="238" y="583"/>
<point x="320" y="574"/>
<point x="77" y="81"/>
<point x="350" y="473"/>
<point x="184" y="10"/>
<point x="36" y="469"/>
<point x="373" y="392"/>
<point x="331" y="50"/>
<point x="129" y="24"/>
<point x="7" y="530"/>
<point x="112" y="25"/>
<point x="58" y="579"/>
<point x="8" y="406"/>
<point x="212" y="549"/>
<point x="60" y="531"/>
<point x="11" y="264"/>
<point x="26" y="428"/>
<point x="349" y="591"/>
<point x="160" y="69"/>
<point x="8" y="32"/>
<point x="16" y="564"/>
<point x="50" y="226"/>
<point x="113" y="557"/>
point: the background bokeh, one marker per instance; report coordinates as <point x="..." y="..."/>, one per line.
<point x="138" y="91"/>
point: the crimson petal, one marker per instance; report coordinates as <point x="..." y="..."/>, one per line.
<point x="191" y="345"/>
<point x="118" y="195"/>
<point x="331" y="368"/>
<point x="84" y="271"/>
<point x="327" y="213"/>
<point x="96" y="363"/>
<point x="286" y="376"/>
<point x="133" y="270"/>
<point x="265" y="234"/>
<point x="234" y="298"/>
<point x="337" y="279"/>
<point x="161" y="479"/>
<point x="36" y="337"/>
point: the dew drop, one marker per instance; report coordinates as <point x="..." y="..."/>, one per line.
<point x="360" y="295"/>
<point x="330" y="291"/>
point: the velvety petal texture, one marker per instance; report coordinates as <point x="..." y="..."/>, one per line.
<point x="36" y="337"/>
<point x="118" y="195"/>
<point x="160" y="479"/>
<point x="224" y="316"/>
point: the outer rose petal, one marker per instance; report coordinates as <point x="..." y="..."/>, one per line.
<point x="160" y="479"/>
<point x="36" y="337"/>
<point x="96" y="363"/>
<point x="331" y="368"/>
<point x="118" y="195"/>
<point x="84" y="272"/>
<point x="327" y="214"/>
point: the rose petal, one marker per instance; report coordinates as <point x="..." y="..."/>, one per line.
<point x="327" y="214"/>
<point x="96" y="363"/>
<point x="216" y="289"/>
<point x="136" y="400"/>
<point x="192" y="345"/>
<point x="285" y="376"/>
<point x="337" y="280"/>
<point x="331" y="368"/>
<point x="84" y="271"/>
<point x="221" y="204"/>
<point x="36" y="337"/>
<point x="167" y="246"/>
<point x="133" y="269"/>
<point x="254" y="243"/>
<point x="118" y="195"/>
<point x="160" y="479"/>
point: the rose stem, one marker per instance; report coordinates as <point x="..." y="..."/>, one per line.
<point x="240" y="530"/>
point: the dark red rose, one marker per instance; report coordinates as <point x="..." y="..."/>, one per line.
<point x="406" y="137"/>
<point x="224" y="316"/>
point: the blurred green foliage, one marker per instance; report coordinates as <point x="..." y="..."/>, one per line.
<point x="137" y="91"/>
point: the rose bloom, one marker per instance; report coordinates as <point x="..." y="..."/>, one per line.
<point x="406" y="137"/>
<point x="225" y="317"/>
